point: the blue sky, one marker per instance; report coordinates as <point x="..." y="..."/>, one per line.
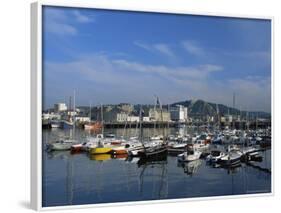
<point x="113" y="56"/>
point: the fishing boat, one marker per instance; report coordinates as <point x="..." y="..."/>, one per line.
<point x="94" y="126"/>
<point x="189" y="156"/>
<point x="67" y="124"/>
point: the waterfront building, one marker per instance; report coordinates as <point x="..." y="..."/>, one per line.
<point x="51" y="116"/>
<point x="82" y="119"/>
<point x="155" y="115"/>
<point x="222" y="119"/>
<point x="179" y="113"/>
<point x="146" y="119"/>
<point x="60" y="107"/>
<point x="114" y="114"/>
<point x="133" y="119"/>
<point x="121" y="117"/>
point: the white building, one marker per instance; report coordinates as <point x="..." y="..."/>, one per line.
<point x="82" y="119"/>
<point x="121" y="117"/>
<point x="60" y="107"/>
<point x="133" y="119"/>
<point x="146" y="119"/>
<point x="157" y="115"/>
<point x="51" y="116"/>
<point x="179" y="113"/>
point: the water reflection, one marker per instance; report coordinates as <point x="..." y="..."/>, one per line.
<point x="87" y="179"/>
<point x="190" y="168"/>
<point x="101" y="157"/>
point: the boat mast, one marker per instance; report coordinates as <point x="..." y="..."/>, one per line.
<point x="141" y="135"/>
<point x="101" y="108"/>
<point x="247" y="117"/>
<point x="90" y="112"/>
<point x="257" y="124"/>
<point x="161" y="110"/>
<point x="240" y="120"/>
<point x="168" y="124"/>
<point x="74" y="111"/>
<point x="233" y="106"/>
<point x="154" y="129"/>
<point x="218" y="116"/>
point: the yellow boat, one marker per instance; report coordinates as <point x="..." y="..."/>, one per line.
<point x="100" y="150"/>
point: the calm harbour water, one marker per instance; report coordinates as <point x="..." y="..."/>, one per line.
<point x="76" y="179"/>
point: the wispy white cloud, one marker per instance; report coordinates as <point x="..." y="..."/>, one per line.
<point x="135" y="81"/>
<point x="81" y="17"/>
<point x="193" y="48"/>
<point x="61" y="22"/>
<point x="132" y="79"/>
<point x="143" y="45"/>
<point x="161" y="48"/>
<point x="164" y="49"/>
<point x="178" y="73"/>
<point x="55" y="21"/>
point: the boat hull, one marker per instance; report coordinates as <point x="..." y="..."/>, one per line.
<point x="119" y="152"/>
<point x="60" y="147"/>
<point x="100" y="150"/>
<point x="152" y="152"/>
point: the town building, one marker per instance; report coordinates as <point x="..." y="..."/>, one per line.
<point x="179" y="113"/>
<point x="157" y="115"/>
<point x="146" y="119"/>
<point x="133" y="119"/>
<point x="82" y="119"/>
<point x="51" y="116"/>
<point x="60" y="107"/>
<point x="121" y="117"/>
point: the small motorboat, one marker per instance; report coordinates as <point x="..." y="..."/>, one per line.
<point x="254" y="156"/>
<point x="100" y="150"/>
<point x="200" y="144"/>
<point x="61" y="145"/>
<point x="78" y="147"/>
<point x="156" y="137"/>
<point x="215" y="156"/>
<point x="231" y="158"/>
